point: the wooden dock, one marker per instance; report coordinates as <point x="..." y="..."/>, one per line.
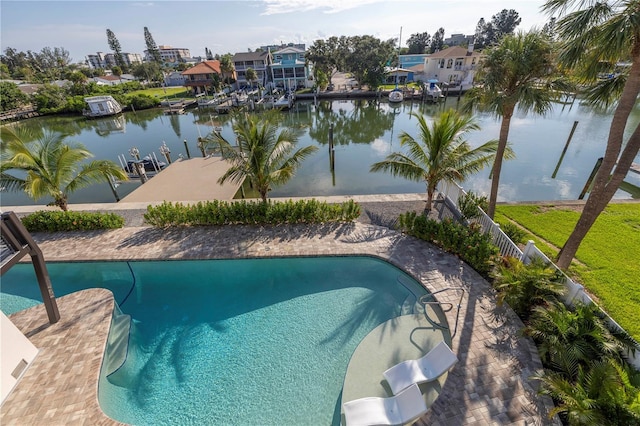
<point x="186" y="180"/>
<point x="224" y="107"/>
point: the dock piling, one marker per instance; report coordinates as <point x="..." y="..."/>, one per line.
<point x="587" y="185"/>
<point x="564" y="151"/>
<point x="186" y="147"/>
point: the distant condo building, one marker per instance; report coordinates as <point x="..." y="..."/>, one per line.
<point x="108" y="60"/>
<point x="458" y="39"/>
<point x="170" y="54"/>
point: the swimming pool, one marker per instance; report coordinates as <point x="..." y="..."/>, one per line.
<point x="256" y="341"/>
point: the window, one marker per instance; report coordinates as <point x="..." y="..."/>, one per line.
<point x="441" y="63"/>
<point x="449" y="63"/>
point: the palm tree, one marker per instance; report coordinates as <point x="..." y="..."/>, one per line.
<point x="518" y="72"/>
<point x="440" y="154"/>
<point x="251" y="76"/>
<point x="604" y="393"/>
<point x="594" y="33"/>
<point x="263" y="155"/>
<point x="47" y="166"/>
<point x="523" y="287"/>
<point x="569" y="338"/>
<point x="227" y="68"/>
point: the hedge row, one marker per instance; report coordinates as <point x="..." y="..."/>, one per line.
<point x="468" y="243"/>
<point x="250" y="213"/>
<point x="52" y="221"/>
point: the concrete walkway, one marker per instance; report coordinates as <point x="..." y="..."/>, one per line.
<point x="490" y="384"/>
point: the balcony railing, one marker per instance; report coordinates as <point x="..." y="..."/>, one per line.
<point x="199" y="82"/>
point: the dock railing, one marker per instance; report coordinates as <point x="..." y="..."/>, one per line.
<point x="450" y="193"/>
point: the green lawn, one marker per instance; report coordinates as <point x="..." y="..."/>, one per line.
<point x="169" y="92"/>
<point x="609" y="257"/>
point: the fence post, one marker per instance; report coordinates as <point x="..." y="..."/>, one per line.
<point x="526" y="253"/>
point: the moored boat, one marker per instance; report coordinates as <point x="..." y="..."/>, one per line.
<point x="101" y="106"/>
<point x="396" y="95"/>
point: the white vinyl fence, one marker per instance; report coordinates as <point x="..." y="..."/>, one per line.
<point x="450" y="193"/>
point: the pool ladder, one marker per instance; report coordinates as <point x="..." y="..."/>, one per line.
<point x="424" y="302"/>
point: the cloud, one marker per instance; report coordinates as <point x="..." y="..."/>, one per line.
<point x="274" y="7"/>
<point x="380" y="147"/>
<point x="143" y="4"/>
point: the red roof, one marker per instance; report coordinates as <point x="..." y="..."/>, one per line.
<point x="205" y="67"/>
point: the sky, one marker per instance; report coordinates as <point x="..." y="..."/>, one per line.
<point x="235" y="26"/>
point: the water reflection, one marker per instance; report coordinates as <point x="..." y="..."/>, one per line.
<point x="364" y="131"/>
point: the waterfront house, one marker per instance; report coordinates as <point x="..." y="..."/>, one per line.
<point x="288" y="69"/>
<point x="113" y="80"/>
<point x="174" y="79"/>
<point x="201" y="77"/>
<point x="398" y="76"/>
<point x="415" y="64"/>
<point x="411" y="60"/>
<point x="455" y="65"/>
<point x="259" y="61"/>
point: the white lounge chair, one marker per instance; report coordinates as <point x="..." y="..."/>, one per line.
<point x="399" y="409"/>
<point x="431" y="366"/>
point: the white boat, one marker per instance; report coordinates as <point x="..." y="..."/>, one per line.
<point x="433" y="91"/>
<point x="101" y="106"/>
<point x="396" y="95"/>
<point x="284" y="102"/>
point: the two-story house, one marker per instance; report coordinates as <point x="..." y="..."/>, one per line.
<point x="288" y="68"/>
<point x="258" y="61"/>
<point x="202" y="76"/>
<point x="455" y="65"/>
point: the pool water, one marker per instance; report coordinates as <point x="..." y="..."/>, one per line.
<point x="234" y="342"/>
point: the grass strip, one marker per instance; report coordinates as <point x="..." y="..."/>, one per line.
<point x="609" y="254"/>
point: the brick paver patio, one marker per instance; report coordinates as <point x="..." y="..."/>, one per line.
<point x="489" y="385"/>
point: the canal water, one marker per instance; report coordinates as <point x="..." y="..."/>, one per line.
<point x="364" y="132"/>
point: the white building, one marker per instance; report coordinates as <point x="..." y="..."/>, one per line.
<point x="107" y="60"/>
<point x="455" y="65"/>
<point x="170" y="55"/>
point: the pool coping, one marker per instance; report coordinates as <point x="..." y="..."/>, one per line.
<point x="489" y="385"/>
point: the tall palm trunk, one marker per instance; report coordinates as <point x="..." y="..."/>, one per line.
<point x="497" y="164"/>
<point x="606" y="183"/>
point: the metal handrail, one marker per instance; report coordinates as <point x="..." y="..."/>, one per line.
<point x="424" y="302"/>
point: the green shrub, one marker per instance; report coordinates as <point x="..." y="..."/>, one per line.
<point x="514" y="232"/>
<point x="468" y="204"/>
<point x="250" y="213"/>
<point x="52" y="221"/>
<point x="141" y="101"/>
<point x="469" y="243"/>
<point x="523" y="287"/>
